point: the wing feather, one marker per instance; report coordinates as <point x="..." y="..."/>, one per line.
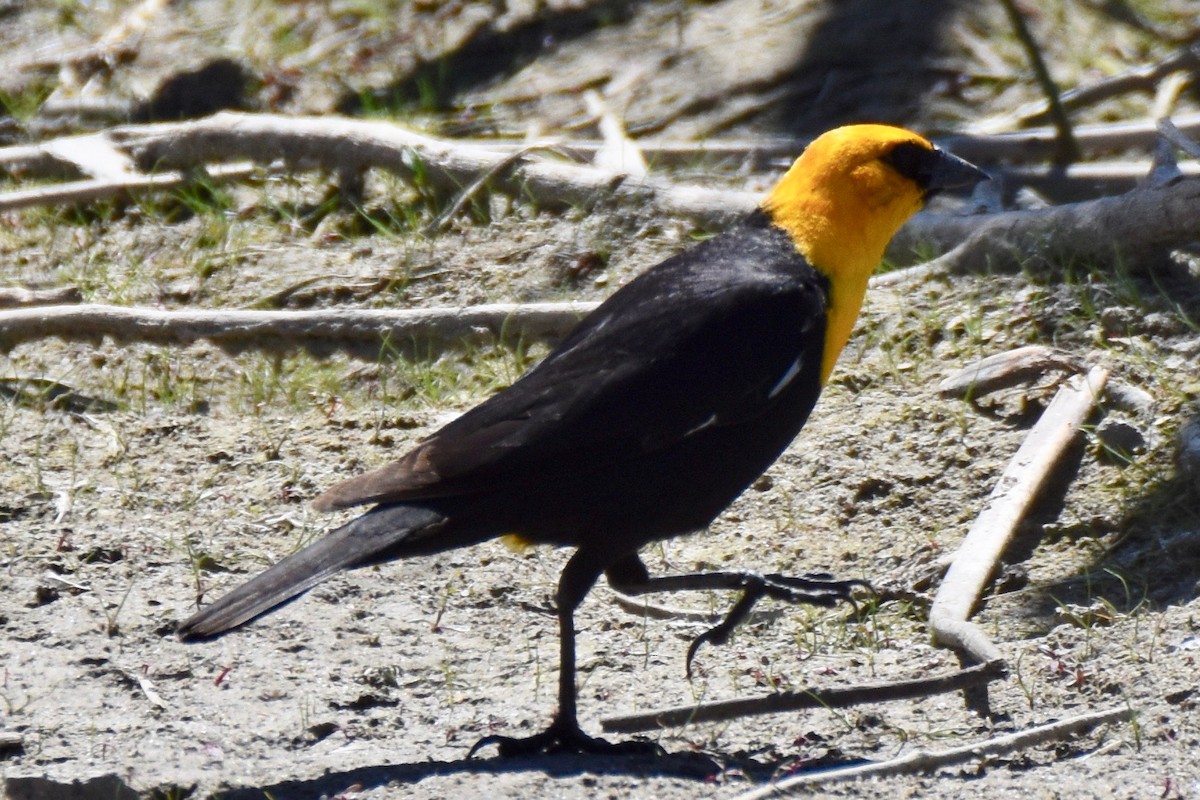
<point x="685" y="347"/>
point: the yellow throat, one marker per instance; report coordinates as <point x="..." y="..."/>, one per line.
<point x="841" y="204"/>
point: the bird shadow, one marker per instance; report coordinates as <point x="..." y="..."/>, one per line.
<point x="695" y="766"/>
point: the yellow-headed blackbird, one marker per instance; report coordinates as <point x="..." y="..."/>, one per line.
<point x="657" y="411"/>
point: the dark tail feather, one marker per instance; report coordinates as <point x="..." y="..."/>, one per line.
<point x="373" y="537"/>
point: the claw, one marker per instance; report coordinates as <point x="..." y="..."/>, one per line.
<point x="562" y="737"/>
<point x="821" y="590"/>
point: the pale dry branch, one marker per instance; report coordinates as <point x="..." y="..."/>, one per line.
<point x="1005" y="370"/>
<point x="978" y="557"/>
<point x="1034" y="144"/>
<point x="805" y="699"/>
<point x="1131" y="227"/>
<point x="348" y="146"/>
<point x="920" y="761"/>
<point x="17" y="296"/>
<point x="103" y="188"/>
<point x="1138" y="223"/>
<point x="93" y="155"/>
<point x="422" y="332"/>
<point x="1038" y="143"/>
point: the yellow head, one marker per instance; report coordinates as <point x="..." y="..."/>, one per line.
<point x="844" y="199"/>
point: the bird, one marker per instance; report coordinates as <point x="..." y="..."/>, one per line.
<point x="649" y="418"/>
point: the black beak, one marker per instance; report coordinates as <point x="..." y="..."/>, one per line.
<point x="933" y="170"/>
<point x="951" y="172"/>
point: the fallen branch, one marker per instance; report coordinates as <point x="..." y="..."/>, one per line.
<point x="365" y="333"/>
<point x="1005" y="370"/>
<point x="807" y="698"/>
<point x="1131" y="227"/>
<point x="349" y="146"/>
<point x="926" y="761"/>
<point x="1139" y="222"/>
<point x="1035" y="144"/>
<point x="978" y="557"/>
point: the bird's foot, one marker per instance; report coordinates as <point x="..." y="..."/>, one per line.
<point x="817" y="589"/>
<point x="563" y="737"/>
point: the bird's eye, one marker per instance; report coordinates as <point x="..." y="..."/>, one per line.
<point x="912" y="161"/>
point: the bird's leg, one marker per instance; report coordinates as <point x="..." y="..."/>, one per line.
<point x="564" y="733"/>
<point x="630" y="576"/>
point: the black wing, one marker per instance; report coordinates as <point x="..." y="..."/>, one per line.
<point x="708" y="338"/>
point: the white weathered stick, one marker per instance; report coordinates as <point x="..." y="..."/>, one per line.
<point x="1038" y="143"/>
<point x="1027" y="145"/>
<point x="979" y="554"/>
<point x="419" y="332"/>
<point x="20" y="296"/>
<point x="1003" y="370"/>
<point x="925" y="761"/>
<point x="100" y="188"/>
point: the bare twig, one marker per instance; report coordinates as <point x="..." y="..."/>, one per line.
<point x="1038" y="143"/>
<point x="807" y="698"/>
<point x="414" y="332"/>
<point x="1084" y="181"/>
<point x="979" y="555"/>
<point x="1067" y="150"/>
<point x="359" y="289"/>
<point x="98" y="189"/>
<point x="15" y="296"/>
<point x="1008" y="369"/>
<point x="468" y="193"/>
<point x="1172" y="133"/>
<point x="1144" y="78"/>
<point x="927" y="761"/>
<point x="644" y="608"/>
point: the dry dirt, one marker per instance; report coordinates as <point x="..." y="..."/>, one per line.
<point x="167" y="474"/>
